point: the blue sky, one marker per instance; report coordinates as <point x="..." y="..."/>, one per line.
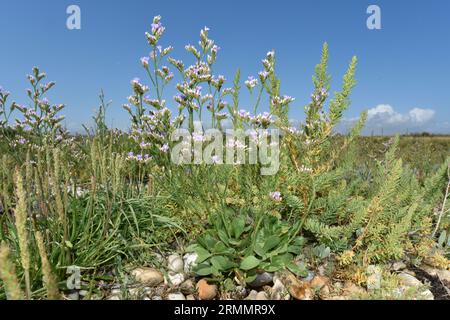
<point x="402" y="74"/>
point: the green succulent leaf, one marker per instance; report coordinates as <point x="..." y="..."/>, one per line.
<point x="250" y="277"/>
<point x="271" y="243"/>
<point x="442" y="238"/>
<point x="202" y="254"/>
<point x="238" y="226"/>
<point x="299" y="270"/>
<point x="203" y="269"/>
<point x="250" y="262"/>
<point x="222" y="263"/>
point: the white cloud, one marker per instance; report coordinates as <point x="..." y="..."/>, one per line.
<point x="421" y="115"/>
<point x="384" y="118"/>
<point x="384" y="113"/>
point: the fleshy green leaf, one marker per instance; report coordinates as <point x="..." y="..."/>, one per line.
<point x="249" y="263"/>
<point x="203" y="269"/>
<point x="203" y="254"/>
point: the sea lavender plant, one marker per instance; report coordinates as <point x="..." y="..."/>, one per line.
<point x="40" y="124"/>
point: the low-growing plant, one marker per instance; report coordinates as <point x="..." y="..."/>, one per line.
<point x="242" y="243"/>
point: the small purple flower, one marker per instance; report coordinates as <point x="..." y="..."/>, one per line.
<point x="263" y="76"/>
<point x="276" y="196"/>
<point x="293" y="130"/>
<point x="156" y="27"/>
<point x="251" y="82"/>
<point x="164" y="148"/>
<point x="197" y="137"/>
<point x="144" y="61"/>
<point x="130" y="154"/>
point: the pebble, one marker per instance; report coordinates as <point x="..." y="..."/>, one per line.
<point x="187" y="287"/>
<point x="240" y="292"/>
<point x="134" y="292"/>
<point x="189" y="261"/>
<point x="324" y="292"/>
<point x="252" y="295"/>
<point x="351" y="289"/>
<point x="261" y="280"/>
<point x="205" y="290"/>
<point x="175" y="263"/>
<point x="444" y="275"/>
<point x="399" y="265"/>
<point x="190" y="297"/>
<point x="427" y="295"/>
<point x="83" y="293"/>
<point x="175" y="279"/>
<point x="309" y="277"/>
<point x="159" y="257"/>
<point x="374" y="275"/>
<point x="298" y="289"/>
<point x="408" y="280"/>
<point x="318" y="282"/>
<point x="279" y="291"/>
<point x="176" y="296"/>
<point x="73" y="296"/>
<point x="147" y="290"/>
<point x="149" y="276"/>
<point x="261" y="296"/>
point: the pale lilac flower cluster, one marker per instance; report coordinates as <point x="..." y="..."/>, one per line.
<point x="235" y="143"/>
<point x="138" y="88"/>
<point x="276" y="196"/>
<point x="319" y="96"/>
<point x="164" y="148"/>
<point x="157" y="30"/>
<point x="40" y="123"/>
<point x="3" y="95"/>
<point x="218" y="81"/>
<point x="221" y="115"/>
<point x="145" y="61"/>
<point x="156" y="103"/>
<point x="244" y="115"/>
<point x="190" y="95"/>
<point x="198" y="137"/>
<point x="152" y="133"/>
<point x="251" y="82"/>
<point x="282" y="101"/>
<point x="140" y="158"/>
<point x="165" y="74"/>
<point x="265" y="119"/>
<point x="269" y="62"/>
<point x="293" y="130"/>
<point x="263" y="75"/>
<point x="18" y="142"/>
